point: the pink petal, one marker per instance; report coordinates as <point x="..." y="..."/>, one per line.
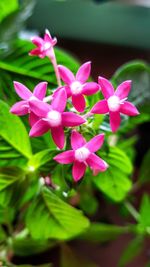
<point x="70" y="119"/>
<point x="100" y="107"/>
<point x="40" y="90"/>
<point x="106" y="87"/>
<point x="129" y="109"/>
<point x="115" y="120"/>
<point x="66" y="75"/>
<point x="20" y="108"/>
<point x="77" y="140"/>
<point x="65" y="157"/>
<point x="123" y="89"/>
<point x="33" y="119"/>
<point x="47" y="36"/>
<point x="84" y="72"/>
<point x="39" y="128"/>
<point x="90" y="88"/>
<point x="59" y="100"/>
<point x="78" y="102"/>
<point x="38" y="41"/>
<point x="35" y="52"/>
<point x="58" y="136"/>
<point x="78" y="170"/>
<point x="95" y="143"/>
<point x="39" y="108"/>
<point x="22" y="91"/>
<point x="96" y="163"/>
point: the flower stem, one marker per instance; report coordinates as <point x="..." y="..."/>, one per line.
<point x="54" y="62"/>
<point x="132" y="210"/>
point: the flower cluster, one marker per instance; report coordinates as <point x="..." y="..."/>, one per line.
<point x="54" y="117"/>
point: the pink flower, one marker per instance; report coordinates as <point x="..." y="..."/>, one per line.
<point x="44" y="46"/>
<point x="76" y="86"/>
<point x="22" y="107"/>
<point x="53" y="117"/>
<point x="83" y="155"/>
<point x="114" y="102"/>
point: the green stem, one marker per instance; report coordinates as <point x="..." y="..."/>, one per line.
<point x="132" y="210"/>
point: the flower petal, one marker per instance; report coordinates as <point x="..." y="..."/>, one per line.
<point x="58" y="136"/>
<point x="38" y="41"/>
<point x="47" y="36"/>
<point x="123" y="89"/>
<point x="20" y="108"/>
<point x="59" y="100"/>
<point x="78" y="102"/>
<point x="39" y="128"/>
<point x="106" y="87"/>
<point x="70" y="119"/>
<point x="78" y="170"/>
<point x="84" y="72"/>
<point x="66" y="75"/>
<point x="95" y="143"/>
<point x="77" y="140"/>
<point x="96" y="163"/>
<point x="115" y="120"/>
<point x="129" y="109"/>
<point x="90" y="88"/>
<point x="39" y="108"/>
<point x="40" y="90"/>
<point x="65" y="157"/>
<point x="33" y="118"/>
<point x="100" y="107"/>
<point x="35" y="52"/>
<point x="22" y="91"/>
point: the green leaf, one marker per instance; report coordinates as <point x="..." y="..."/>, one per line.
<point x="144" y="219"/>
<point x="19" y="66"/>
<point x="14" y="139"/>
<point x="7" y="7"/>
<point x="60" y="220"/>
<point x="9" y="175"/>
<point x="41" y="158"/>
<point x="114" y="182"/>
<point x="23" y="245"/>
<point x="139" y="73"/>
<point x="133" y="249"/>
<point x="2" y="235"/>
<point x="144" y="174"/>
<point x="100" y="232"/>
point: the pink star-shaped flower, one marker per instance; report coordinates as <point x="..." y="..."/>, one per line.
<point x="114" y="102"/>
<point x="22" y="107"/>
<point x="53" y="117"/>
<point x="83" y="155"/>
<point x="44" y="46"/>
<point x="76" y="86"/>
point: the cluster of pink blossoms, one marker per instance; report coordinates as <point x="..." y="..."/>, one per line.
<point x="44" y="116"/>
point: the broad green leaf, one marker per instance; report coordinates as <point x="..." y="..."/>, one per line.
<point x="60" y="220"/>
<point x="133" y="249"/>
<point x="9" y="175"/>
<point x="114" y="182"/>
<point x="144" y="218"/>
<point x="41" y="158"/>
<point x="139" y="73"/>
<point x="25" y="245"/>
<point x="144" y="175"/>
<point x="28" y="70"/>
<point x="7" y="7"/>
<point x="70" y="259"/>
<point x="100" y="232"/>
<point x="14" y="139"/>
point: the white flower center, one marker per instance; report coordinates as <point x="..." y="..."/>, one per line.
<point x="76" y="87"/>
<point x="81" y="154"/>
<point x="54" y="118"/>
<point x="33" y="98"/>
<point x="113" y="103"/>
<point x="46" y="46"/>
